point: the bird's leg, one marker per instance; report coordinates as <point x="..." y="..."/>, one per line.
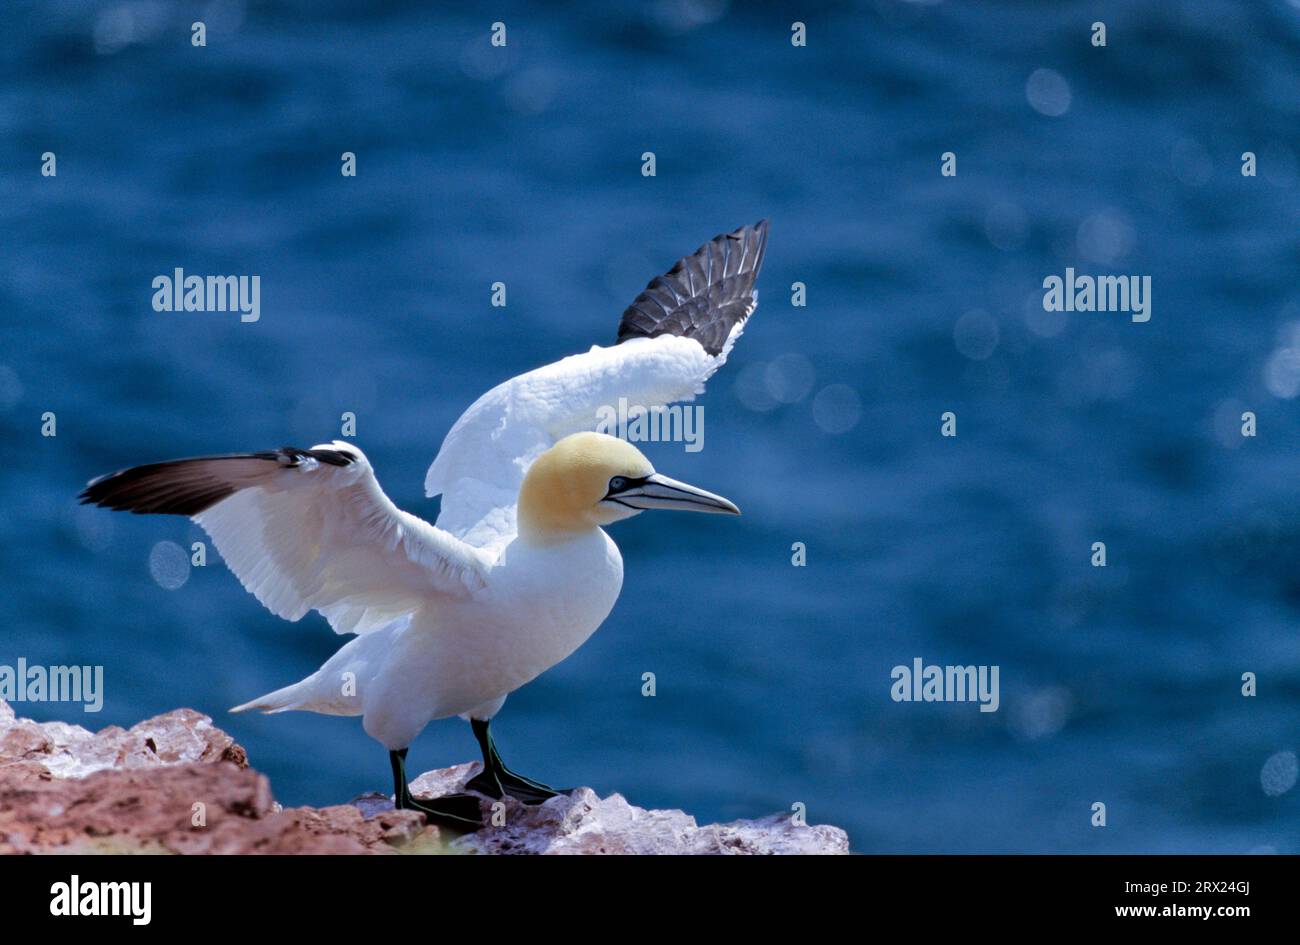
<point x="458" y="812"/>
<point x="496" y="779"/>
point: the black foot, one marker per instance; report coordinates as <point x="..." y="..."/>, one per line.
<point x="496" y="780"/>
<point x="457" y="812"/>
<point x="460" y="812"/>
<point x="505" y="782"/>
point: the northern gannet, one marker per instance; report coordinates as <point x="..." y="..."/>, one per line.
<point x="518" y="571"/>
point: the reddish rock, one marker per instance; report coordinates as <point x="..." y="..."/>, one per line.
<point x="172" y="784"/>
<point x="178" y="784"/>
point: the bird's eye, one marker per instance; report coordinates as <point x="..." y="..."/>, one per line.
<point x="617" y="483"/>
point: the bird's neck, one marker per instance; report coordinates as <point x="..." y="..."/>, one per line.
<point x="539" y="528"/>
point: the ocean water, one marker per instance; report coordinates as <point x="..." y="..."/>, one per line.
<point x="1119" y="685"/>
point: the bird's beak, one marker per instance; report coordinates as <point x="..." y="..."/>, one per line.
<point x="660" y="492"/>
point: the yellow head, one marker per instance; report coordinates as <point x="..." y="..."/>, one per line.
<point x="592" y="479"/>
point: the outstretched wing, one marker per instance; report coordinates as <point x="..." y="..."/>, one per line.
<point x="704" y="296"/>
<point x="670" y="341"/>
<point x="305" y="530"/>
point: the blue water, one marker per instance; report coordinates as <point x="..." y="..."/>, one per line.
<point x="1119" y="685"/>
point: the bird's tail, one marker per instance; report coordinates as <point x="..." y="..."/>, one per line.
<point x="307" y="696"/>
<point x="333" y="689"/>
<point x="282" y="700"/>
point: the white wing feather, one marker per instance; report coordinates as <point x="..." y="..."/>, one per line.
<point x="327" y="538"/>
<point x="484" y="457"/>
<point x="673" y="336"/>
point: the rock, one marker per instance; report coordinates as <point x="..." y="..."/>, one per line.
<point x="142" y="810"/>
<point x="584" y="822"/>
<point x="70" y="751"/>
<point x="172" y="784"/>
<point x="178" y="784"/>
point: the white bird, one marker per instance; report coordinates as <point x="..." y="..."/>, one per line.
<point x="518" y="571"/>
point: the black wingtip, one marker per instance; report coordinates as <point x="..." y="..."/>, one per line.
<point x="192" y="486"/>
<point x="176" y="487"/>
<point x="157" y="489"/>
<point x="705" y="295"/>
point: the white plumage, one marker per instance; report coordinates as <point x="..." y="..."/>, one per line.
<point x="449" y="619"/>
<point x="484" y="457"/>
<point x="327" y="538"/>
